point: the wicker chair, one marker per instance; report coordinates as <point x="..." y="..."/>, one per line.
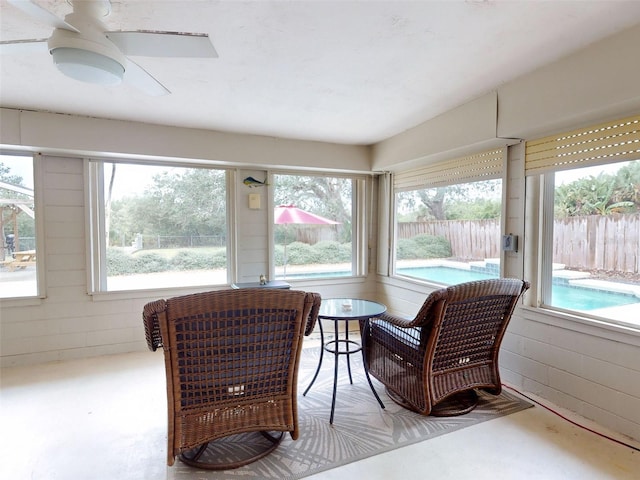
<point x="231" y="359"/>
<point x="433" y="363"/>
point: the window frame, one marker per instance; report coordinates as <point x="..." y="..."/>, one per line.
<point x="545" y="264"/>
<point x="39" y="227"/>
<point x="477" y="167"/>
<point x="612" y="142"/>
<point x="359" y="216"/>
<point x="95" y="222"/>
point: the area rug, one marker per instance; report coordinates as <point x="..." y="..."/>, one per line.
<point x="360" y="428"/>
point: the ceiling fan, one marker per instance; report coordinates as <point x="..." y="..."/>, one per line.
<point x="83" y="49"/>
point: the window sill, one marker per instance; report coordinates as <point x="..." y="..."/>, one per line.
<point x="20" y="301"/>
<point x="153" y="293"/>
<point x="585" y="325"/>
<point x="301" y="283"/>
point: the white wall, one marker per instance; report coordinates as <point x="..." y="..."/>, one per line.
<point x="252" y="227"/>
<point x="594" y="85"/>
<point x="442" y="137"/>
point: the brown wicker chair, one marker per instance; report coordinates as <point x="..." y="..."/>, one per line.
<point x="231" y="359"/>
<point x="433" y="363"/>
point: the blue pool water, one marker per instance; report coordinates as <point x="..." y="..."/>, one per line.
<point x="577" y="298"/>
<point x="312" y="275"/>
<point x="447" y="275"/>
<point x="563" y="296"/>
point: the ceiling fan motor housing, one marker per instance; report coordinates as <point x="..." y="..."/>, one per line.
<point x="88" y="56"/>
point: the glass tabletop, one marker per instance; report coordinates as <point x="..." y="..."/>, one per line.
<point x="350" y="308"/>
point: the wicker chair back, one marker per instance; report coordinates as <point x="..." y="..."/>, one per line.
<point x="231" y="360"/>
<point x="434" y="363"/>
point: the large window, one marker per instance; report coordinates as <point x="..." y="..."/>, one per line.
<point x="315" y="232"/>
<point x="591" y="220"/>
<point x="18" y="259"/>
<point x="447" y="220"/>
<point x="157" y="226"/>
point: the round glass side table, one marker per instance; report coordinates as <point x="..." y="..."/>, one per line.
<point x="344" y="310"/>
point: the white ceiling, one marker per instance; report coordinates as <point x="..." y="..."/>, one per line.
<point x="352" y="72"/>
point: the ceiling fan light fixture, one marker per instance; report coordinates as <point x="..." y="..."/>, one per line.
<point x="88" y="66"/>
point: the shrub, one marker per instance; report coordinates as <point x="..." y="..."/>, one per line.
<point x="432" y="246"/>
<point x="332" y="252"/>
<point x="219" y="259"/>
<point x="150" y="262"/>
<point x="406" y="249"/>
<point x="422" y="247"/>
<point x="192" y="260"/>
<point x="119" y="262"/>
<point x="299" y="253"/>
<point x="278" y="255"/>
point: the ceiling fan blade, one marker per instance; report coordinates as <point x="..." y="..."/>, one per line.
<point x="42" y="14"/>
<point x="163" y="44"/>
<point x="12" y="47"/>
<point x="139" y="78"/>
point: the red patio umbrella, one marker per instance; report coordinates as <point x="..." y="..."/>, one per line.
<point x="289" y="214"/>
<point x="285" y="214"/>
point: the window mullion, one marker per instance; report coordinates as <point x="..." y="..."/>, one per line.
<point x="546" y="266"/>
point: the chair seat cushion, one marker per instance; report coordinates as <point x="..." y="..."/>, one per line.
<point x="403" y="342"/>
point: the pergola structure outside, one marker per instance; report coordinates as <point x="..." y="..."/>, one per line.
<point x="10" y="207"/>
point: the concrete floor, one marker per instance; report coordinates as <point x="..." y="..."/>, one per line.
<point x="105" y="418"/>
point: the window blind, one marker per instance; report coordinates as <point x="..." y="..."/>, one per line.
<point x="480" y="166"/>
<point x="610" y="142"/>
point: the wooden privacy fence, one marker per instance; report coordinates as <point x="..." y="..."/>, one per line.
<point x="469" y="239"/>
<point x="606" y="242"/>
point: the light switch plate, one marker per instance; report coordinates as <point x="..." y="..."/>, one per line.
<point x="254" y="201"/>
<point x="510" y="243"/>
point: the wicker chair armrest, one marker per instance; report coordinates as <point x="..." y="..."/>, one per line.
<point x="311" y="308"/>
<point x="151" y="326"/>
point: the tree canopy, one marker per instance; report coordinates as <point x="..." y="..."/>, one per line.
<point x="185" y="201"/>
<point x="330" y="197"/>
<point x="467" y="201"/>
<point x="601" y="194"/>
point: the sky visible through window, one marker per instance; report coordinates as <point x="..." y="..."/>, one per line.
<point x="21" y="166"/>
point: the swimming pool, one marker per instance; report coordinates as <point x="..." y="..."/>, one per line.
<point x="447" y="275"/>
<point x="311" y="275"/>
<point x="563" y="296"/>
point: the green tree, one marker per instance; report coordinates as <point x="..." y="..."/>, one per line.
<point x="474" y="200"/>
<point x="434" y="199"/>
<point x="183" y="202"/>
<point x="603" y="194"/>
<point x="191" y="202"/>
<point x="330" y="197"/>
<point x="477" y="209"/>
<point x="627" y="184"/>
<point x="7" y="177"/>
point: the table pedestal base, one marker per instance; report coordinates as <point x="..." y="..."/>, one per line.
<point x="333" y="347"/>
